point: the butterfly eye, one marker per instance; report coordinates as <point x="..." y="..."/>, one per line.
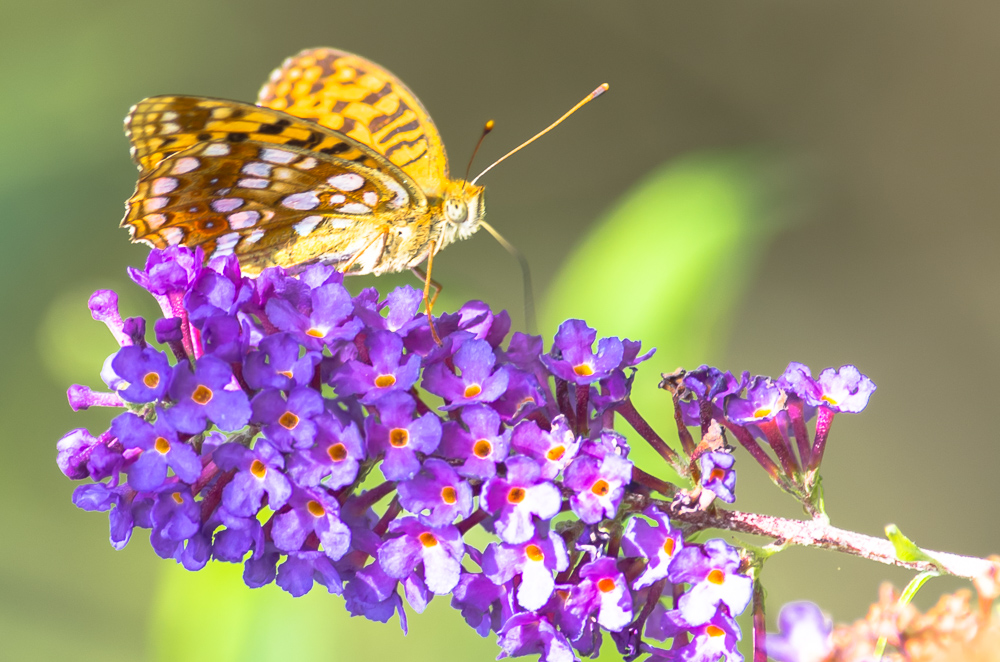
<point x="456" y="210"/>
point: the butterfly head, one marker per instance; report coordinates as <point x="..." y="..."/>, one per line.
<point x="463" y="207"/>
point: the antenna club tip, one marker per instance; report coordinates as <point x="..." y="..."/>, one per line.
<point x="601" y="89"/>
<point x="489" y="126"/>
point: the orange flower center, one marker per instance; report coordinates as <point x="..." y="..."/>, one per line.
<point x="448" y="494"/>
<point x="258" y="469"/>
<point x="161" y="445"/>
<point x="178" y="499"/>
<point x="315" y="508"/>
<point x="399" y="437"/>
<point x="427" y="539"/>
<point x="516" y="495"/>
<point x="714" y="631"/>
<point x="385" y="381"/>
<point x="482" y="449"/>
<point x="583" y="370"/>
<point x="534" y="552"/>
<point x="761" y="413"/>
<point x="669" y="546"/>
<point x="288" y="420"/>
<point x="716" y="577"/>
<point x="315" y="333"/>
<point x="606" y="585"/>
<point x="472" y="390"/>
<point x="151" y="379"/>
<point x="827" y="398"/>
<point x="202" y="395"/>
<point x="337" y="452"/>
<point x="601" y="488"/>
<point x="555" y="453"/>
<point x="285" y="373"/>
<point x="717" y="474"/>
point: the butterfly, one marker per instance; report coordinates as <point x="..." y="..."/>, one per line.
<point x="338" y="163"/>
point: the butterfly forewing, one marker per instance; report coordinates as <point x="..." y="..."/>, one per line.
<point x="271" y="204"/>
<point x="160" y="127"/>
<point x="353" y="96"/>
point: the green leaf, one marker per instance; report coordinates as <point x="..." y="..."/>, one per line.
<point x="666" y="266"/>
<point x="905" y="548"/>
<point x="915" y="585"/>
<point x="904" y="599"/>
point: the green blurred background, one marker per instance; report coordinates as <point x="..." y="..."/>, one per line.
<point x="765" y="182"/>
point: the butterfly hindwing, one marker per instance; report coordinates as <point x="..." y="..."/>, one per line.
<point x="267" y="203"/>
<point x="356" y="97"/>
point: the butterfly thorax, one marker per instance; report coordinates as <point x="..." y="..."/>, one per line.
<point x="408" y="240"/>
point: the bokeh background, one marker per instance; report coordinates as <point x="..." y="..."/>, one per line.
<point x="766" y="181"/>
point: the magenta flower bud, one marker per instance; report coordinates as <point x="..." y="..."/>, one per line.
<point x="104" y="308"/>
<point x="82" y="397"/>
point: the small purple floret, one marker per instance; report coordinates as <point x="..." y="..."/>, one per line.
<point x="437" y="495"/>
<point x="520" y="498"/>
<point x="657" y="545"/>
<point x="718" y="475"/>
<point x="204" y="396"/>
<point x="573" y="358"/>
<point x="599" y="485"/>
<point x="804" y="634"/>
<point x="711" y="569"/>
<point x="438" y="550"/>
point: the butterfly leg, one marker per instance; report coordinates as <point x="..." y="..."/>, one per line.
<point x="429" y="300"/>
<point x="381" y="235"/>
<point x="419" y="273"/>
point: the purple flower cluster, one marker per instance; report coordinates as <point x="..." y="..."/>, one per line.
<point x="760" y="412"/>
<point x="317" y="437"/>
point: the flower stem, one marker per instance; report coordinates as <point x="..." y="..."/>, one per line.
<point x="794" y="405"/>
<point x="781" y="448"/>
<point x="759" y="623"/>
<point x="373" y="496"/>
<point x="653" y="483"/>
<point x="639" y="424"/>
<point x="391" y="512"/>
<point x="582" y="400"/>
<point x="757" y="452"/>
<point x="824" y="419"/>
<point x="687" y="442"/>
<point x="472" y="520"/>
<point x="214" y="496"/>
<point x="817" y="533"/>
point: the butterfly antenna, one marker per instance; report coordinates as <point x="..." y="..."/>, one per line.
<point x="486" y="129"/>
<point x="590" y="97"/>
<point x="529" y="297"/>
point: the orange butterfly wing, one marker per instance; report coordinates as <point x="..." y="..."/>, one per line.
<point x="271" y="188"/>
<point x="360" y="99"/>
